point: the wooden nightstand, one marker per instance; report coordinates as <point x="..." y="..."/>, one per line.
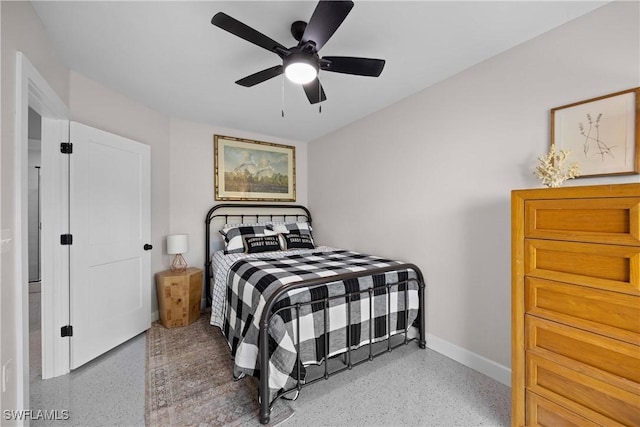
<point x="179" y="295"/>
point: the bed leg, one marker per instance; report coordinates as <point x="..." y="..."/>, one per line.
<point x="264" y="372"/>
<point x="265" y="411"/>
<point x="422" y="312"/>
<point x="264" y="419"/>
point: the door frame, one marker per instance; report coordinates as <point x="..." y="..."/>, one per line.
<point x="32" y="90"/>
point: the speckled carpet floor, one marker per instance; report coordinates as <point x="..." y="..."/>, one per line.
<point x="189" y="380"/>
<point x="407" y="387"/>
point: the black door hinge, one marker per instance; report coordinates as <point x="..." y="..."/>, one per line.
<point x="66" y="147"/>
<point x="66" y="239"/>
<point x="66" y="331"/>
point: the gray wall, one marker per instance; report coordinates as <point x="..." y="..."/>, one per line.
<point x="428" y="179"/>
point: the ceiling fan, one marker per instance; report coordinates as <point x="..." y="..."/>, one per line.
<point x="301" y="63"/>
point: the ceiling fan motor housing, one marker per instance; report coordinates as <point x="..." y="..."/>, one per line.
<point x="297" y="29"/>
<point x="301" y="63"/>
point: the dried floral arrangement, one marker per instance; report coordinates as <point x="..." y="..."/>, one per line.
<point x="551" y="170"/>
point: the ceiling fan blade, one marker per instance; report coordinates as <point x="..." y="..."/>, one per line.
<point x="260" y="76"/>
<point x="314" y="91"/>
<point x="325" y="21"/>
<point x="232" y="25"/>
<point x="349" y="65"/>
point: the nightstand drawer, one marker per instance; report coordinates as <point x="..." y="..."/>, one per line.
<point x="604" y="312"/>
<point x="601" y="220"/>
<point x="610" y="267"/>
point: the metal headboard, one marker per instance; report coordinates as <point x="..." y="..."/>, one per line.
<point x="243" y="213"/>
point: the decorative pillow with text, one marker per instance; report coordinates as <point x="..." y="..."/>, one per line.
<point x="297" y="241"/>
<point x="234" y="234"/>
<point x="257" y="244"/>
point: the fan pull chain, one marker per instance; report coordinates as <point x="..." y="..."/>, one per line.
<point x="282" y="97"/>
<point x="319" y="97"/>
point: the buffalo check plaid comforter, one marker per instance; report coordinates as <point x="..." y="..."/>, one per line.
<point x="251" y="282"/>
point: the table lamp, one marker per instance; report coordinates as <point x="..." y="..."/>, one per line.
<point x="177" y="244"/>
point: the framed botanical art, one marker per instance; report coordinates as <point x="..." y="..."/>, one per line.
<point x="602" y="133"/>
<point x="253" y="170"/>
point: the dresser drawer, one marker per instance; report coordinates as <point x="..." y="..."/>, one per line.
<point x="596" y="355"/>
<point x="582" y="394"/>
<point x="610" y="267"/>
<point x="598" y="220"/>
<point x="543" y="412"/>
<point x="604" y="312"/>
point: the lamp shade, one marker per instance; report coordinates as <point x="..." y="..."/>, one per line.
<point x="177" y="243"/>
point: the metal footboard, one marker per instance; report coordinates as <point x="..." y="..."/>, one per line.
<point x="265" y="401"/>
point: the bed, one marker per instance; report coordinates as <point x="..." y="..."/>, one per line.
<point x="295" y="313"/>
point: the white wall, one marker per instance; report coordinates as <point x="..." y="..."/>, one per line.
<point x="181" y="163"/>
<point x="192" y="180"/>
<point x="176" y="146"/>
<point x="429" y="178"/>
<point x="100" y="107"/>
<point x="434" y="188"/>
<point x="21" y="30"/>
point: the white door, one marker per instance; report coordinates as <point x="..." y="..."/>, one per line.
<point x="110" y="280"/>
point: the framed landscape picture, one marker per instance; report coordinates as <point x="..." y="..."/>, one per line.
<point x="601" y="133"/>
<point x="253" y="170"/>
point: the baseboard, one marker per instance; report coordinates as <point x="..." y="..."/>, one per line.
<point x="470" y="359"/>
<point x="494" y="370"/>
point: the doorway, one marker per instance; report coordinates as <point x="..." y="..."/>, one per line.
<point x="120" y="208"/>
<point x="34" y="244"/>
<point x="35" y="97"/>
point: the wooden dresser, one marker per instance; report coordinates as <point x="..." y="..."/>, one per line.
<point x="576" y="306"/>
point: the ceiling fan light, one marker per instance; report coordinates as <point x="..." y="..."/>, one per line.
<point x="300" y="72"/>
<point x="300" y="69"/>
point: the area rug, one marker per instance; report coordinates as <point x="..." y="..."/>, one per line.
<point x="190" y="382"/>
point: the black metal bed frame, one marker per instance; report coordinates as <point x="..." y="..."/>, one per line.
<point x="265" y="402"/>
<point x="235" y="210"/>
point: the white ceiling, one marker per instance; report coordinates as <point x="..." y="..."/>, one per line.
<point x="168" y="56"/>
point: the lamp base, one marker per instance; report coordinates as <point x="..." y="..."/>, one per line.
<point x="179" y="264"/>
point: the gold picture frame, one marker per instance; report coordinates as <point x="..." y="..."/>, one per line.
<point x="603" y="133"/>
<point x="245" y="170"/>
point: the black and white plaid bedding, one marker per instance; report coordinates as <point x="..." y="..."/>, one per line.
<point x="252" y="281"/>
<point x="221" y="265"/>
